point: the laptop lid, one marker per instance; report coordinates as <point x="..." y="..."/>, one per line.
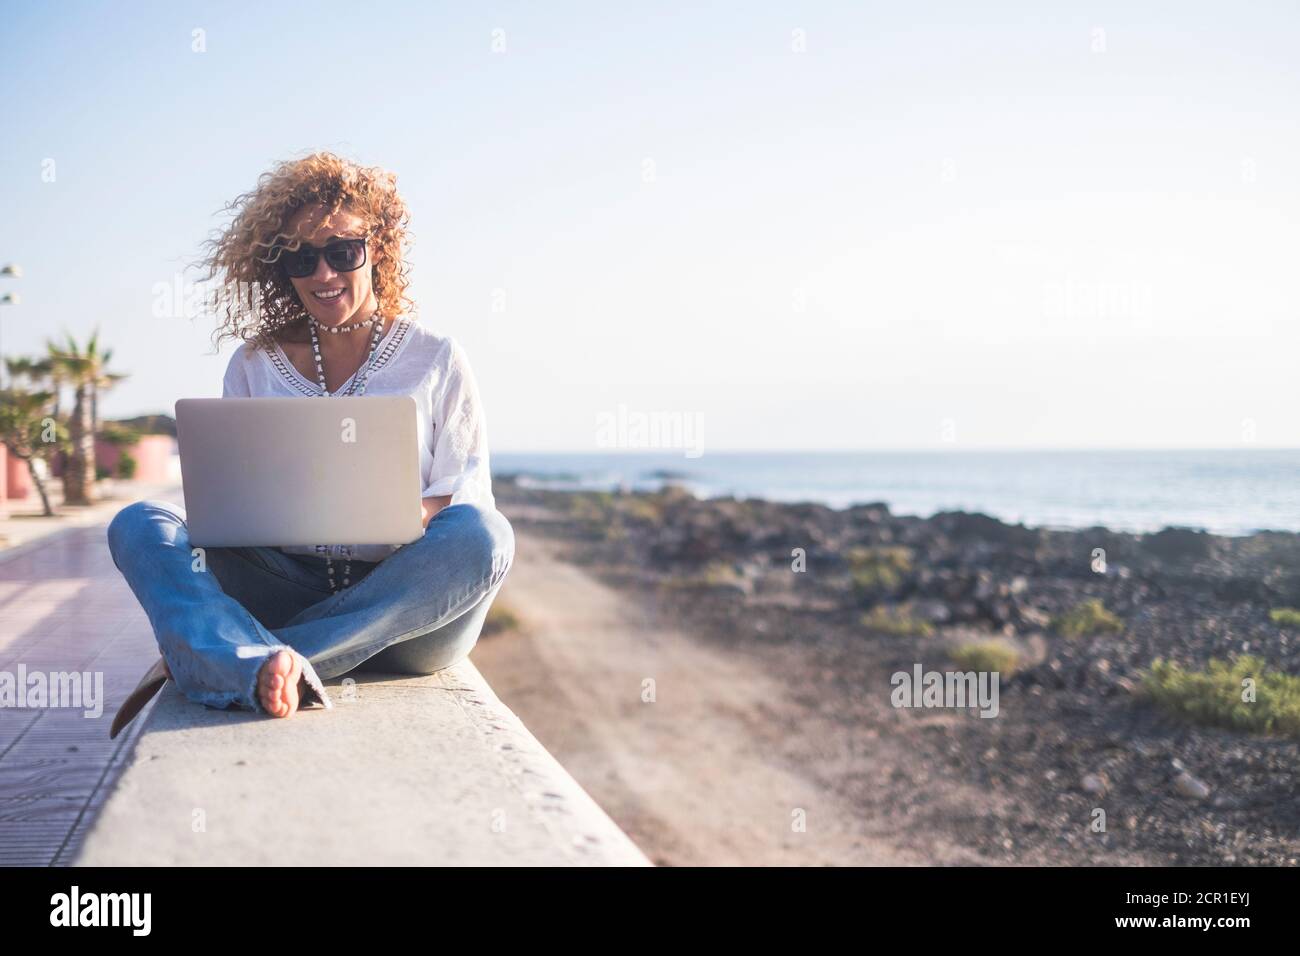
<point x="300" y="471"/>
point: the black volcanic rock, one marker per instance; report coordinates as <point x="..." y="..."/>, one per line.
<point x="965" y="526"/>
<point x="1179" y="544"/>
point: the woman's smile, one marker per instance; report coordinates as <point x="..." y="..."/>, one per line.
<point x="334" y="294"/>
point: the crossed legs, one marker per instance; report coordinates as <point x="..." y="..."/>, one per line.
<point x="219" y="614"/>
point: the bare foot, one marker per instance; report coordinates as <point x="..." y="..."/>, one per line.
<point x="278" y="683"/>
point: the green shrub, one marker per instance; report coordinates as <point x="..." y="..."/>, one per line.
<point x="987" y="656"/>
<point x="500" y="618"/>
<point x="585" y="504"/>
<point x="1285" y="616"/>
<point x="895" y="622"/>
<point x="1089" y="617"/>
<point x="716" y="574"/>
<point x="876" y="569"/>
<point x="1214" y="696"/>
<point x="591" y="511"/>
<point x="126" y="466"/>
<point x="640" y="508"/>
<point x="117" y="434"/>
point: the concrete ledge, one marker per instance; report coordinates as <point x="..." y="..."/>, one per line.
<point x="404" y="771"/>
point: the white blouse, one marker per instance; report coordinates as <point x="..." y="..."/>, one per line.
<point x="410" y="360"/>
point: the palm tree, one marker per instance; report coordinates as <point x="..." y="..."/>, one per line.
<point x="101" y="378"/>
<point x="80" y="369"/>
<point x="28" y="375"/>
<point x="27" y="426"/>
<point x="27" y="372"/>
<point x="55" y="378"/>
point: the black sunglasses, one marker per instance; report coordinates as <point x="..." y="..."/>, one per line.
<point x="342" y="255"/>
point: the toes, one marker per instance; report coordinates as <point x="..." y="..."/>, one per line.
<point x="273" y="683"/>
<point x="290" y="693"/>
<point x="279" y="683"/>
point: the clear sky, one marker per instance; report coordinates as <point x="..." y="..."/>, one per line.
<point x="807" y="225"/>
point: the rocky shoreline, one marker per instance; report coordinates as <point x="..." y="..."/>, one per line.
<point x="838" y="600"/>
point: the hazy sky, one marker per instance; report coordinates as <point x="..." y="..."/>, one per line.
<point x="803" y="225"/>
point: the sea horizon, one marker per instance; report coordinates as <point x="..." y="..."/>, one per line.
<point x="1230" y="491"/>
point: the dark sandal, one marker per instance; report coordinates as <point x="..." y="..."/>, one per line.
<point x="144" y="692"/>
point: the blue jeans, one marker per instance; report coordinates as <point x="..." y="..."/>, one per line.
<point x="218" y="613"/>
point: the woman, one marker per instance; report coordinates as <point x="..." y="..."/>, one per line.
<point x="311" y="277"/>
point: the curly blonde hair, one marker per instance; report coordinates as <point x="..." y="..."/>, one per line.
<point x="252" y="298"/>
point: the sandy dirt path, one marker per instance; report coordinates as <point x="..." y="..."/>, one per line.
<point x="695" y="777"/>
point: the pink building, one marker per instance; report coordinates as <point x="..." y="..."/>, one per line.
<point x="19" y="478"/>
<point x="152" y="453"/>
<point x="154" y="456"/>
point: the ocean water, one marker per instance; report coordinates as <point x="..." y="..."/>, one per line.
<point x="1232" y="491"/>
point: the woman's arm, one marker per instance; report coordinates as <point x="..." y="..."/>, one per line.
<point x="431" y="506"/>
<point x="460" y="452"/>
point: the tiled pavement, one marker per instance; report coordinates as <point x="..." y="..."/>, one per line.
<point x="64" y="607"/>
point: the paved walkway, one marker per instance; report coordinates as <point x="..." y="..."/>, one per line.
<point x="64" y="607"/>
<point x="23" y="526"/>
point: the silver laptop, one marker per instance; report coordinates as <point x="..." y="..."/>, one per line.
<point x="300" y="471"/>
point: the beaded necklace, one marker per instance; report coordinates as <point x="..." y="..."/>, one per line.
<point x="358" y="387"/>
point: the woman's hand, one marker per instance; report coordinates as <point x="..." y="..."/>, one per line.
<point x="431" y="506"/>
